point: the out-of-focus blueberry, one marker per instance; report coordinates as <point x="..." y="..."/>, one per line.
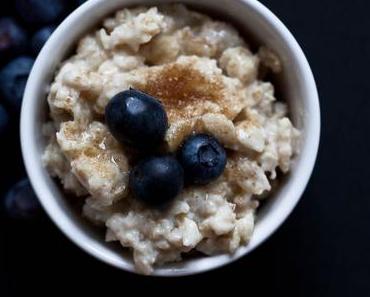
<point x="21" y="201"/>
<point x="40" y="38"/>
<point x="4" y="120"/>
<point x="13" y="39"/>
<point x="41" y="11"/>
<point x="13" y="79"/>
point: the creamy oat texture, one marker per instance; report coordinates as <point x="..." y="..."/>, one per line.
<point x="209" y="81"/>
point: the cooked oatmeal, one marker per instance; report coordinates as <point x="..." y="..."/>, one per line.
<point x="209" y="81"/>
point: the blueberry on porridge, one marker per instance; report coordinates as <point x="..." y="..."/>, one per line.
<point x="157" y="180"/>
<point x="136" y="119"/>
<point x="162" y="124"/>
<point x="203" y="158"/>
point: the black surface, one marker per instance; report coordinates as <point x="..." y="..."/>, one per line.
<point x="323" y="249"/>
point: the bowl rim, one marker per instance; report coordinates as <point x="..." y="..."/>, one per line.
<point x="32" y="158"/>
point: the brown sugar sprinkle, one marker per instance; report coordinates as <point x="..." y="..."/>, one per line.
<point x="181" y="86"/>
<point x="71" y="131"/>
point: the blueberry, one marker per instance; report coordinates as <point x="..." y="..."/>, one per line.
<point x="13" y="79"/>
<point x="40" y="38"/>
<point x="13" y="39"/>
<point x="136" y="119"/>
<point x="157" y="180"/>
<point x="4" y="120"/>
<point x="41" y="11"/>
<point x="203" y="159"/>
<point x="21" y="201"/>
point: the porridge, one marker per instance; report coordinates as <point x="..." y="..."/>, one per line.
<point x="209" y="82"/>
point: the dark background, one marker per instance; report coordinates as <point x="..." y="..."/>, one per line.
<point x="323" y="249"/>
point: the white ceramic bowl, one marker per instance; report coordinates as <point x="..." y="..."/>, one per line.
<point x="296" y="83"/>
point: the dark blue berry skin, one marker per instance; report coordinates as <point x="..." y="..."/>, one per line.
<point x="4" y="120"/>
<point x="203" y="159"/>
<point x="80" y="2"/>
<point x="38" y="12"/>
<point x="156" y="181"/>
<point x="13" y="79"/>
<point x="40" y="38"/>
<point x="21" y="201"/>
<point x="13" y="39"/>
<point x="136" y="119"/>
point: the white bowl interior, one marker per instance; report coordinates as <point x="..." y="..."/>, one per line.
<point x="296" y="84"/>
